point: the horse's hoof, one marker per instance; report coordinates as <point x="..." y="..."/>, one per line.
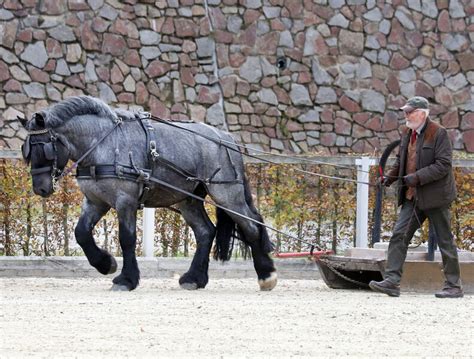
<point x="113" y="265"/>
<point x="119" y="288"/>
<point x="269" y="283"/>
<point x="189" y="286"/>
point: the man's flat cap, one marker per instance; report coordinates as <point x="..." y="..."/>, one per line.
<point x="416" y="102"/>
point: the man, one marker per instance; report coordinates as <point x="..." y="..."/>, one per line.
<point x="426" y="190"/>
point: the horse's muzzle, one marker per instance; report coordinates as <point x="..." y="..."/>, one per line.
<point x="43" y="192"/>
<point x="43" y="188"/>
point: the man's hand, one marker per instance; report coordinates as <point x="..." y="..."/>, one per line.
<point x="411" y="180"/>
<point x="384" y="181"/>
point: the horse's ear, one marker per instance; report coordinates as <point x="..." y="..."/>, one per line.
<point x="22" y="120"/>
<point x="38" y="119"/>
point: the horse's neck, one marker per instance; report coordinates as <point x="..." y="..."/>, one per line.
<point x="81" y="134"/>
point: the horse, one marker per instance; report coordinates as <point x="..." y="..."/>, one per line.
<point x="126" y="161"/>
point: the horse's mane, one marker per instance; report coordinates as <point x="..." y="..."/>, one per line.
<point x="60" y="113"/>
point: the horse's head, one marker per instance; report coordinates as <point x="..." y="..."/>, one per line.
<point x="46" y="153"/>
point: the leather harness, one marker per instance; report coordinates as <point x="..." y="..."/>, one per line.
<point x="143" y="175"/>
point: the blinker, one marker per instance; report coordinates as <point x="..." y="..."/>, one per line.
<point x="25" y="148"/>
<point x="48" y="151"/>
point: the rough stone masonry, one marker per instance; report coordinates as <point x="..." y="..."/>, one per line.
<point x="300" y="76"/>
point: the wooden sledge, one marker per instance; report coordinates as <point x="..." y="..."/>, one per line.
<point x="361" y="265"/>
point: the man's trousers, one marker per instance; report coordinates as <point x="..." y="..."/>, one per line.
<point x="409" y="220"/>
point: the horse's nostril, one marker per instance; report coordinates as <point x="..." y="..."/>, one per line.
<point x="41" y="191"/>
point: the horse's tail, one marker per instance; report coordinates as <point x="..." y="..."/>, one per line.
<point x="225" y="235"/>
<point x="227" y="230"/>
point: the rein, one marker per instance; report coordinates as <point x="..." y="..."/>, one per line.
<point x="92" y="148"/>
<point x="204" y="200"/>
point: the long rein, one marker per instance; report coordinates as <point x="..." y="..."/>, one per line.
<point x="74" y="165"/>
<point x="231" y="146"/>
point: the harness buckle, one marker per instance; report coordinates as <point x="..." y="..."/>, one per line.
<point x="144" y="114"/>
<point x="92" y="172"/>
<point x="119" y="171"/>
<point x="154" y="153"/>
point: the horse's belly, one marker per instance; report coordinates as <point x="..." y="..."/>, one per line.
<point x="160" y="197"/>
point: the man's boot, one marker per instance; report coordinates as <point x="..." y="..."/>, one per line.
<point x="386" y="287"/>
<point x="450" y="292"/>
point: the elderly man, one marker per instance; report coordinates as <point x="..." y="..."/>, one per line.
<point x="426" y="190"/>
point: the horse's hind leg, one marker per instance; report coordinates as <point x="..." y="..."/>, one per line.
<point x="254" y="235"/>
<point x="238" y="199"/>
<point x="195" y="215"/>
<point x="97" y="257"/>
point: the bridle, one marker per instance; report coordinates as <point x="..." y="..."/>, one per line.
<point x="50" y="151"/>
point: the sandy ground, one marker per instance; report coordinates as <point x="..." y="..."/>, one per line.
<point x="75" y="318"/>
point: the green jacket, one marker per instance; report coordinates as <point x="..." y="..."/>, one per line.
<point x="434" y="170"/>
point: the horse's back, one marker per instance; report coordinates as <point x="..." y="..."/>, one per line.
<point x="199" y="149"/>
<point x="193" y="138"/>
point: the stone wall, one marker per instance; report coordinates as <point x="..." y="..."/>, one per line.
<point x="299" y="75"/>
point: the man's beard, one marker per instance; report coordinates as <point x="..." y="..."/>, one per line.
<point x="413" y="125"/>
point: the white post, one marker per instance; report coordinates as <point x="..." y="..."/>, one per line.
<point x="363" y="167"/>
<point x="148" y="232"/>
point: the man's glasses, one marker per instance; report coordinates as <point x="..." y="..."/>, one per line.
<point x="409" y="111"/>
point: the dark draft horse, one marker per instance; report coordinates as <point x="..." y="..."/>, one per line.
<point x="117" y="171"/>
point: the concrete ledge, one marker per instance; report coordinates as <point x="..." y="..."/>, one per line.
<point x="416" y="254"/>
<point x="79" y="267"/>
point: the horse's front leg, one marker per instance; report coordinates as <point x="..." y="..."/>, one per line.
<point x="97" y="257"/>
<point x="130" y="275"/>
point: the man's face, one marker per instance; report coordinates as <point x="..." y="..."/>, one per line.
<point x="414" y="117"/>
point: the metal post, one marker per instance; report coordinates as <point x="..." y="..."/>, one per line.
<point x="363" y="166"/>
<point x="148" y="232"/>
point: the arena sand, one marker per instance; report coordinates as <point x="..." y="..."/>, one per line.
<point x="76" y="318"/>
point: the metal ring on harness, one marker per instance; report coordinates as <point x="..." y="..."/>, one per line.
<point x="154" y="153"/>
<point x="143" y="176"/>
